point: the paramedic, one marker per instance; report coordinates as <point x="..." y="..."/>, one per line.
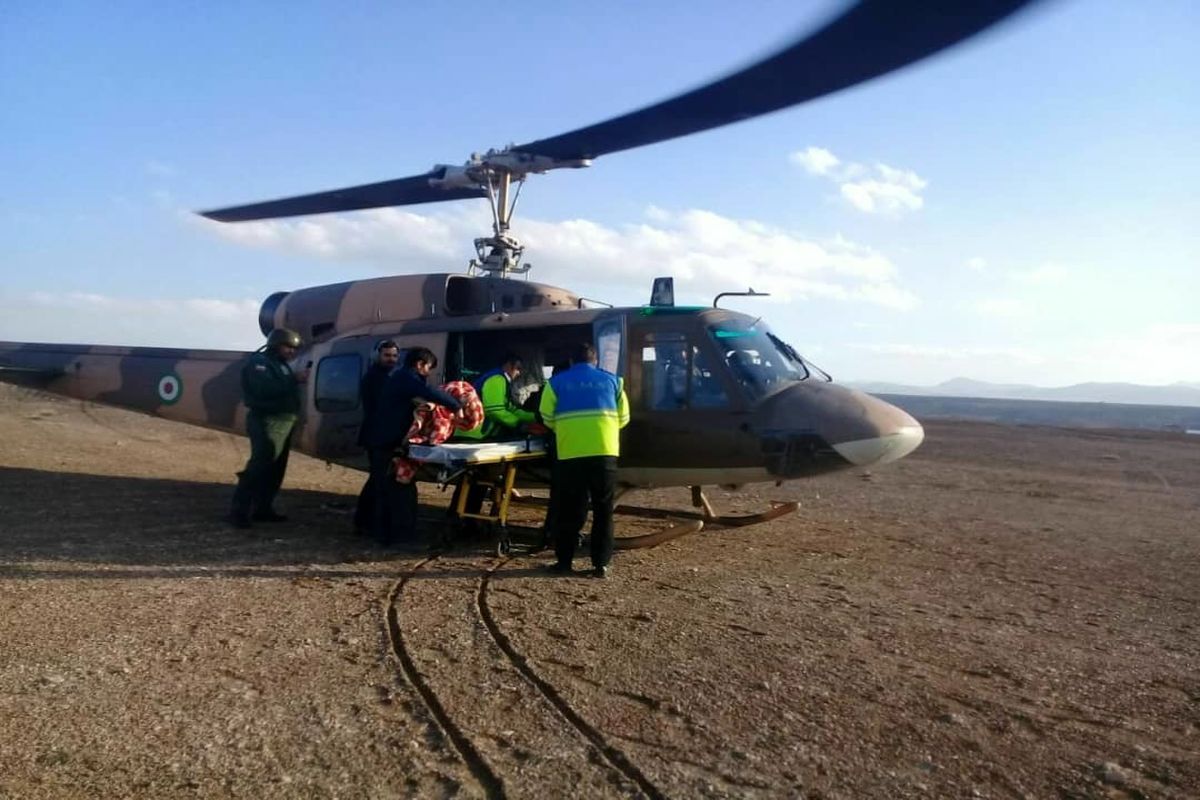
<point x="503" y="419"/>
<point x="586" y="408"/>
<point x="502" y="416"/>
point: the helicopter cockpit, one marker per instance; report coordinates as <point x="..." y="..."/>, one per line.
<point x="761" y="361"/>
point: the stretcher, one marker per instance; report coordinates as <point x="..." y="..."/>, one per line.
<point x="492" y="465"/>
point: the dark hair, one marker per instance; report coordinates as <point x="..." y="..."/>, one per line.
<point x="386" y="344"/>
<point x="583" y="353"/>
<point x="419" y="354"/>
<point x="513" y="358"/>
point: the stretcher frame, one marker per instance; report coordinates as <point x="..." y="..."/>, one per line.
<point x="497" y="472"/>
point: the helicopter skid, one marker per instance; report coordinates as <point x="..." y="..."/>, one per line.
<point x="777" y="510"/>
<point x="713" y="520"/>
<point x="673" y="531"/>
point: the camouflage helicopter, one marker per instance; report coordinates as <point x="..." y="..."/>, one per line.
<point x="716" y="397"/>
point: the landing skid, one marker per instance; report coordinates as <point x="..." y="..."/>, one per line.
<point x="716" y="520"/>
<point x="706" y="515"/>
<point x="673" y="531"/>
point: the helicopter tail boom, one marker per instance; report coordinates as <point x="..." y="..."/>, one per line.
<point x="199" y="387"/>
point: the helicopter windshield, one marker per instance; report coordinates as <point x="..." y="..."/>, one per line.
<point x="760" y="360"/>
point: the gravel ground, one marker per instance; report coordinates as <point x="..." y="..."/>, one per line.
<point x="1009" y="612"/>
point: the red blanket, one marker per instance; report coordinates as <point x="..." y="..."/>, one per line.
<point x="434" y="424"/>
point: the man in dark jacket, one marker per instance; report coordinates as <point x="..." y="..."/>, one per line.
<point x="387" y="355"/>
<point x="271" y="392"/>
<point x="396" y="503"/>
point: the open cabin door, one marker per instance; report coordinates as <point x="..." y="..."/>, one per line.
<point x="608" y="334"/>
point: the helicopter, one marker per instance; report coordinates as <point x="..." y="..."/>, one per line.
<point x="717" y="398"/>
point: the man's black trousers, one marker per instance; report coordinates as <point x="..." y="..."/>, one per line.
<point x="395" y="517"/>
<point x="576" y="480"/>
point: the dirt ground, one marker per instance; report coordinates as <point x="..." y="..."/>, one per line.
<point x="1009" y="612"/>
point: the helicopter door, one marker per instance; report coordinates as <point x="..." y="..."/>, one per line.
<point x="334" y="405"/>
<point x="609" y="335"/>
<point x="684" y="419"/>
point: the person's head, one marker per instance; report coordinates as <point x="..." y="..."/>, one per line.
<point x="420" y="359"/>
<point x="512" y="366"/>
<point x="284" y="343"/>
<point x="387" y="353"/>
<point x="584" y="353"/>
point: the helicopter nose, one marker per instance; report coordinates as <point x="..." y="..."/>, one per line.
<point x="814" y="427"/>
<point x="883" y="448"/>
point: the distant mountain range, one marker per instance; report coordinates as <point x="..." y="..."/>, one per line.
<point x="1175" y="394"/>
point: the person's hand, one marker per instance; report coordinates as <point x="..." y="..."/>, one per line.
<point x="302" y="376"/>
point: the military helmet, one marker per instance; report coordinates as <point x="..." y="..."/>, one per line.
<point x="280" y="337"/>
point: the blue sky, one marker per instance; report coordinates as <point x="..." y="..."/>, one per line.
<point x="1021" y="209"/>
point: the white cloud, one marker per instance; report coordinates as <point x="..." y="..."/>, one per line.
<point x="1161" y="353"/>
<point x="84" y="317"/>
<point x="707" y="252"/>
<point x="816" y="160"/>
<point x="1046" y="275"/>
<point x="976" y="264"/>
<point x="391" y="238"/>
<point x="881" y="189"/>
<point x="1158" y="354"/>
<point x="1003" y="307"/>
<point x="953" y="356"/>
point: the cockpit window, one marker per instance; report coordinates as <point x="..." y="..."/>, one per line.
<point x="676" y="374"/>
<point x="761" y="361"/>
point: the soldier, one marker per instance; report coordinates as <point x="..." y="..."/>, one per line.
<point x="586" y="408"/>
<point x="271" y="391"/>
<point x="387" y="355"/>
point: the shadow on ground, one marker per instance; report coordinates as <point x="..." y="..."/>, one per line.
<point x="125" y="525"/>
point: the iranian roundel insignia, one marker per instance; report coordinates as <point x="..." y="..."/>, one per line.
<point x="169" y="388"/>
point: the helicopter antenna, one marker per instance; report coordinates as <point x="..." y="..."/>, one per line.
<point x="750" y="293"/>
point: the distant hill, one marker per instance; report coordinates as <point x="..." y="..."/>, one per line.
<point x="1176" y="394"/>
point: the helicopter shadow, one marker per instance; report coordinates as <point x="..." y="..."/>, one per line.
<point x="75" y="525"/>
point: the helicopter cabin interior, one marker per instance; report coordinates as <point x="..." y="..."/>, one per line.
<point x="542" y="351"/>
<point x="670" y="363"/>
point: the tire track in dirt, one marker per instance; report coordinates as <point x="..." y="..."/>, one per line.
<point x="512" y="737"/>
<point x="488" y="780"/>
<point x="615" y="757"/>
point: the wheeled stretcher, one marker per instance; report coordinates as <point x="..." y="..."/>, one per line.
<point x="489" y="464"/>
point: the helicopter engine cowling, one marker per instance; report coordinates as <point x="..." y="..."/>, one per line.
<point x="266" y="314"/>
<point x="319" y="313"/>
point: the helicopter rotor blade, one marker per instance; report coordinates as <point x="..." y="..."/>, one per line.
<point x="873" y="38"/>
<point x="398" y="192"/>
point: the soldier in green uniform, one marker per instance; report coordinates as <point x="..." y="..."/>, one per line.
<point x="271" y="390"/>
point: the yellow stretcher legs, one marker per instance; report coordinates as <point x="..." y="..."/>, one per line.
<point x="500" y="492"/>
